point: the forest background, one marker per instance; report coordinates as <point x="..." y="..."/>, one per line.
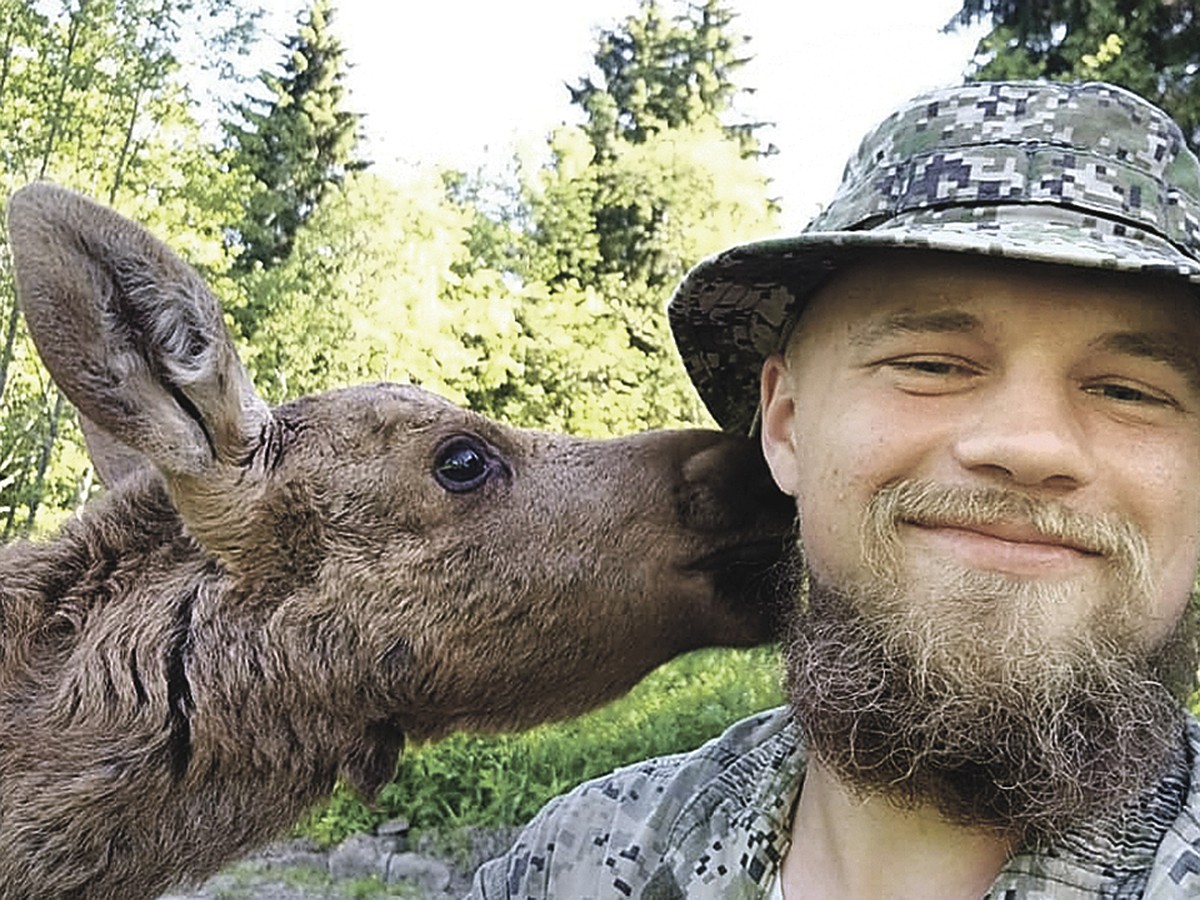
<point x="535" y="295"/>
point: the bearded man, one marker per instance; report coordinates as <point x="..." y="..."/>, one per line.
<point x="978" y="373"/>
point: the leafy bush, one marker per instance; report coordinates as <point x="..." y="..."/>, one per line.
<point x="503" y="780"/>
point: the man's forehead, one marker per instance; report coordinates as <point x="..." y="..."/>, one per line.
<point x="1174" y="347"/>
<point x="910" y="321"/>
<point x="931" y="291"/>
<point x="886" y="295"/>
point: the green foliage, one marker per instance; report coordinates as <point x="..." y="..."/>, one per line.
<point x="593" y="237"/>
<point x="538" y="299"/>
<point x="658" y="71"/>
<point x="296" y="143"/>
<point x="343" y="815"/>
<point x="1148" y="46"/>
<point x="579" y="257"/>
<point x="471" y="780"/>
<point x="598" y="233"/>
<point x="90" y="97"/>
<point x="252" y="880"/>
<point x="373" y="291"/>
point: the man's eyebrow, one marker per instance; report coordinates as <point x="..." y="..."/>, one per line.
<point x="1171" y="349"/>
<point x="940" y="321"/>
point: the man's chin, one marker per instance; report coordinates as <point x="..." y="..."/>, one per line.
<point x="1025" y="735"/>
<point x="1022" y="614"/>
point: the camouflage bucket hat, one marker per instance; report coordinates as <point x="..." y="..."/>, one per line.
<point x="1086" y="175"/>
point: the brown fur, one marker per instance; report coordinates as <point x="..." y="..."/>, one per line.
<point x="284" y="595"/>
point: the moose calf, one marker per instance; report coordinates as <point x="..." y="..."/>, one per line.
<point x="266" y="600"/>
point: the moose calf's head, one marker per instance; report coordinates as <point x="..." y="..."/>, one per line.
<point x="425" y="567"/>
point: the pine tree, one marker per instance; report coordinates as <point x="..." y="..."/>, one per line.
<point x="297" y="143"/>
<point x="658" y="71"/>
<point x="665" y="85"/>
<point x="597" y="237"/>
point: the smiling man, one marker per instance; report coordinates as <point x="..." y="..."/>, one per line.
<point x="978" y="373"/>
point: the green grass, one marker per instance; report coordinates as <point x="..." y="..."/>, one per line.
<point x="468" y="780"/>
<point x="246" y="881"/>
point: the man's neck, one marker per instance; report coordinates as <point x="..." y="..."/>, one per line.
<point x="850" y="848"/>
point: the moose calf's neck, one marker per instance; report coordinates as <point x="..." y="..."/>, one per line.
<point x="101" y="633"/>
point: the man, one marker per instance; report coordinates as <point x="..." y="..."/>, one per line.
<point x="980" y="379"/>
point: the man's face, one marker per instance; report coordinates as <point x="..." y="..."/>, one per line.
<point x="1065" y="386"/>
<point x="996" y="467"/>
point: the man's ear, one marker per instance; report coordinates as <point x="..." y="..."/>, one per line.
<point x="778" y="436"/>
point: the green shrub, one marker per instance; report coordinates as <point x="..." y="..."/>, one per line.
<point x="503" y="780"/>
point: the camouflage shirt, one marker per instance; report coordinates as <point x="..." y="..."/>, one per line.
<point x="716" y="823"/>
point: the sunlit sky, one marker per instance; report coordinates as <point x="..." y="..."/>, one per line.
<point x="464" y="82"/>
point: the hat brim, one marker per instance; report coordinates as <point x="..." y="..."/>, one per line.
<point x="730" y="311"/>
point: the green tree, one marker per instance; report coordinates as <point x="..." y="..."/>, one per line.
<point x="664" y="79"/>
<point x="1149" y="46"/>
<point x="660" y="70"/>
<point x="596" y="234"/>
<point x="378" y="288"/>
<point x="513" y="297"/>
<point x="297" y="142"/>
<point x="90" y="97"/>
<point x="597" y="356"/>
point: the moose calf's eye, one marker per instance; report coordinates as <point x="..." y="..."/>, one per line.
<point x="462" y="465"/>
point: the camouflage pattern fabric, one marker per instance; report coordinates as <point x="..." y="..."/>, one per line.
<point x="715" y="823"/>
<point x="1082" y="175"/>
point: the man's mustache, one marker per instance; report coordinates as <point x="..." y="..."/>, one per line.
<point x="926" y="503"/>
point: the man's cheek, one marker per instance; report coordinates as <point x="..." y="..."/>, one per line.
<point x="1175" y="595"/>
<point x="831" y="550"/>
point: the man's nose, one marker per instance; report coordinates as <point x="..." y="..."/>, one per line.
<point x="1027" y="432"/>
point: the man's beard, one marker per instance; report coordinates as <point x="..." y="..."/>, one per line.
<point x="971" y="701"/>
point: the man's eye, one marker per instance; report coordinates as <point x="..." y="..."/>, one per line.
<point x="930" y="366"/>
<point x="1128" y="393"/>
<point x="929" y="375"/>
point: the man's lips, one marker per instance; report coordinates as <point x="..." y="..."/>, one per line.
<point x="1003" y="546"/>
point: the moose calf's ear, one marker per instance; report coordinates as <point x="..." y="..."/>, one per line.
<point x="112" y="460"/>
<point x="130" y="333"/>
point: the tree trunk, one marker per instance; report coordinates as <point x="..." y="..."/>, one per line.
<point x="10" y="518"/>
<point x="6" y="60"/>
<point x="10" y="331"/>
<point x="51" y="436"/>
<point x="43" y="463"/>
<point x="56" y="122"/>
